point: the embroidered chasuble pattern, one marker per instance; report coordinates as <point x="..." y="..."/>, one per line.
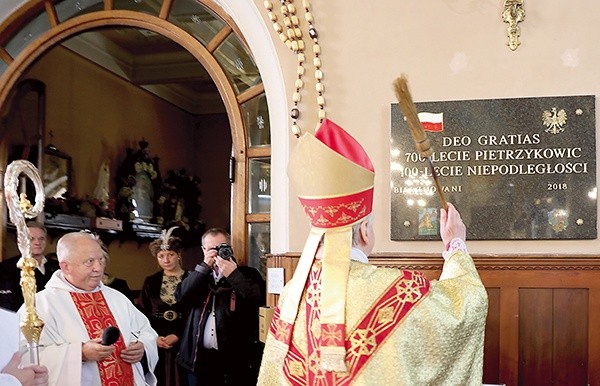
<point x="96" y="317"/>
<point x="302" y="367"/>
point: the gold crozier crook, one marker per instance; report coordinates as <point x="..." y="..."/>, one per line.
<point x="20" y="208"/>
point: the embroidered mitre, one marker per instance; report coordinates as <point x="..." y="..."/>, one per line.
<point x="333" y="176"/>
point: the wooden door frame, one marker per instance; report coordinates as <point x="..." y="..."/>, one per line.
<point x="61" y="31"/>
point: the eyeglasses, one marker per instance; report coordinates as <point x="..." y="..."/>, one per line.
<point x="90" y="262"/>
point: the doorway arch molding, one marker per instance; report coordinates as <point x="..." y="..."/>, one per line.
<point x="123" y="18"/>
<point x="71" y="27"/>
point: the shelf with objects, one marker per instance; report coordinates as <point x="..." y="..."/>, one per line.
<point x="71" y="214"/>
<point x="63" y="212"/>
<point x="144" y="203"/>
<point x="58" y="224"/>
<point x="147" y="203"/>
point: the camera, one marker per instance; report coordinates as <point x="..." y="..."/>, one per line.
<point x="224" y="250"/>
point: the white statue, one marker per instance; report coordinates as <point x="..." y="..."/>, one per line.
<point x="101" y="191"/>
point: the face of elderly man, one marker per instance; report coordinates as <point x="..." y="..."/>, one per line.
<point x="38" y="241"/>
<point x="83" y="262"/>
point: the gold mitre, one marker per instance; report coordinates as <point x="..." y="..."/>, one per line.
<point x="333" y="177"/>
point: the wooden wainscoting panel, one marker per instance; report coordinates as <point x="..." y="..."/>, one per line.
<point x="491" y="360"/>
<point x="509" y="335"/>
<point x="535" y="336"/>
<point x="570" y="336"/>
<point x="594" y="336"/>
<point x="543" y="313"/>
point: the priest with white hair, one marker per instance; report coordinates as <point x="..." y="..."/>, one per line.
<point x="77" y="310"/>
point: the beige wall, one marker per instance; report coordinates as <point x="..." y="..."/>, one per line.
<point x="91" y="121"/>
<point x="450" y="50"/>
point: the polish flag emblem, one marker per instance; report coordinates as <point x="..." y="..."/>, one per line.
<point x="432" y="121"/>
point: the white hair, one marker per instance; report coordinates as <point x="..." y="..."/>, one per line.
<point x="64" y="247"/>
<point x="356" y="229"/>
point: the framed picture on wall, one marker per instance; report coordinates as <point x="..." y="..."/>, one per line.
<point x="56" y="172"/>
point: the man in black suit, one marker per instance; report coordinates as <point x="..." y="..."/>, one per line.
<point x="11" y="296"/>
<point x="219" y="345"/>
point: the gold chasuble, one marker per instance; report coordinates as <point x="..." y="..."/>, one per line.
<point x="96" y="317"/>
<point x="362" y="341"/>
<point x="428" y="333"/>
<point x="344" y="322"/>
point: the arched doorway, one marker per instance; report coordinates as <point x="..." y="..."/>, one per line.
<point x="34" y="28"/>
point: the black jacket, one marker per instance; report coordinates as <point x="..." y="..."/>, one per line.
<point x="237" y="300"/>
<point x="11" y="296"/>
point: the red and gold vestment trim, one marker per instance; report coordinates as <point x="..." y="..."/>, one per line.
<point x="334" y="212"/>
<point x="361" y="342"/>
<point x="96" y="317"/>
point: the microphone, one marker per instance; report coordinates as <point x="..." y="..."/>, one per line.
<point x="110" y="335"/>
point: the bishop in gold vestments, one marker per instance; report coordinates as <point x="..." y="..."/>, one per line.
<point x="341" y="321"/>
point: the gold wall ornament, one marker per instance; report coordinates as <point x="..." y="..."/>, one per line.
<point x="513" y="14"/>
<point x="19" y="208"/>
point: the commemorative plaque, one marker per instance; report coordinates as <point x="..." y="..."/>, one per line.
<point x="522" y="168"/>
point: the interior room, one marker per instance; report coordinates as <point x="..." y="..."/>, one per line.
<point x="216" y="98"/>
<point x="93" y="115"/>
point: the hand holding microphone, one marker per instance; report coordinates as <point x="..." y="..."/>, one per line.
<point x="100" y="348"/>
<point x="110" y="336"/>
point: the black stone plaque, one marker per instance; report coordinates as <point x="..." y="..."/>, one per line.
<point x="521" y="168"/>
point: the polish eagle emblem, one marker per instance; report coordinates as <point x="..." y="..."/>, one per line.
<point x="554" y="120"/>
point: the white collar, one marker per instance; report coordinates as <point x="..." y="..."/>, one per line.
<point x="42" y="265"/>
<point x="58" y="281"/>
<point x="358" y="255"/>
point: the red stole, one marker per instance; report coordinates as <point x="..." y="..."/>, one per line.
<point x="96" y="317"/>
<point x="362" y="342"/>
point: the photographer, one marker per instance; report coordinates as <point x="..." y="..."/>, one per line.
<point x="220" y="343"/>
